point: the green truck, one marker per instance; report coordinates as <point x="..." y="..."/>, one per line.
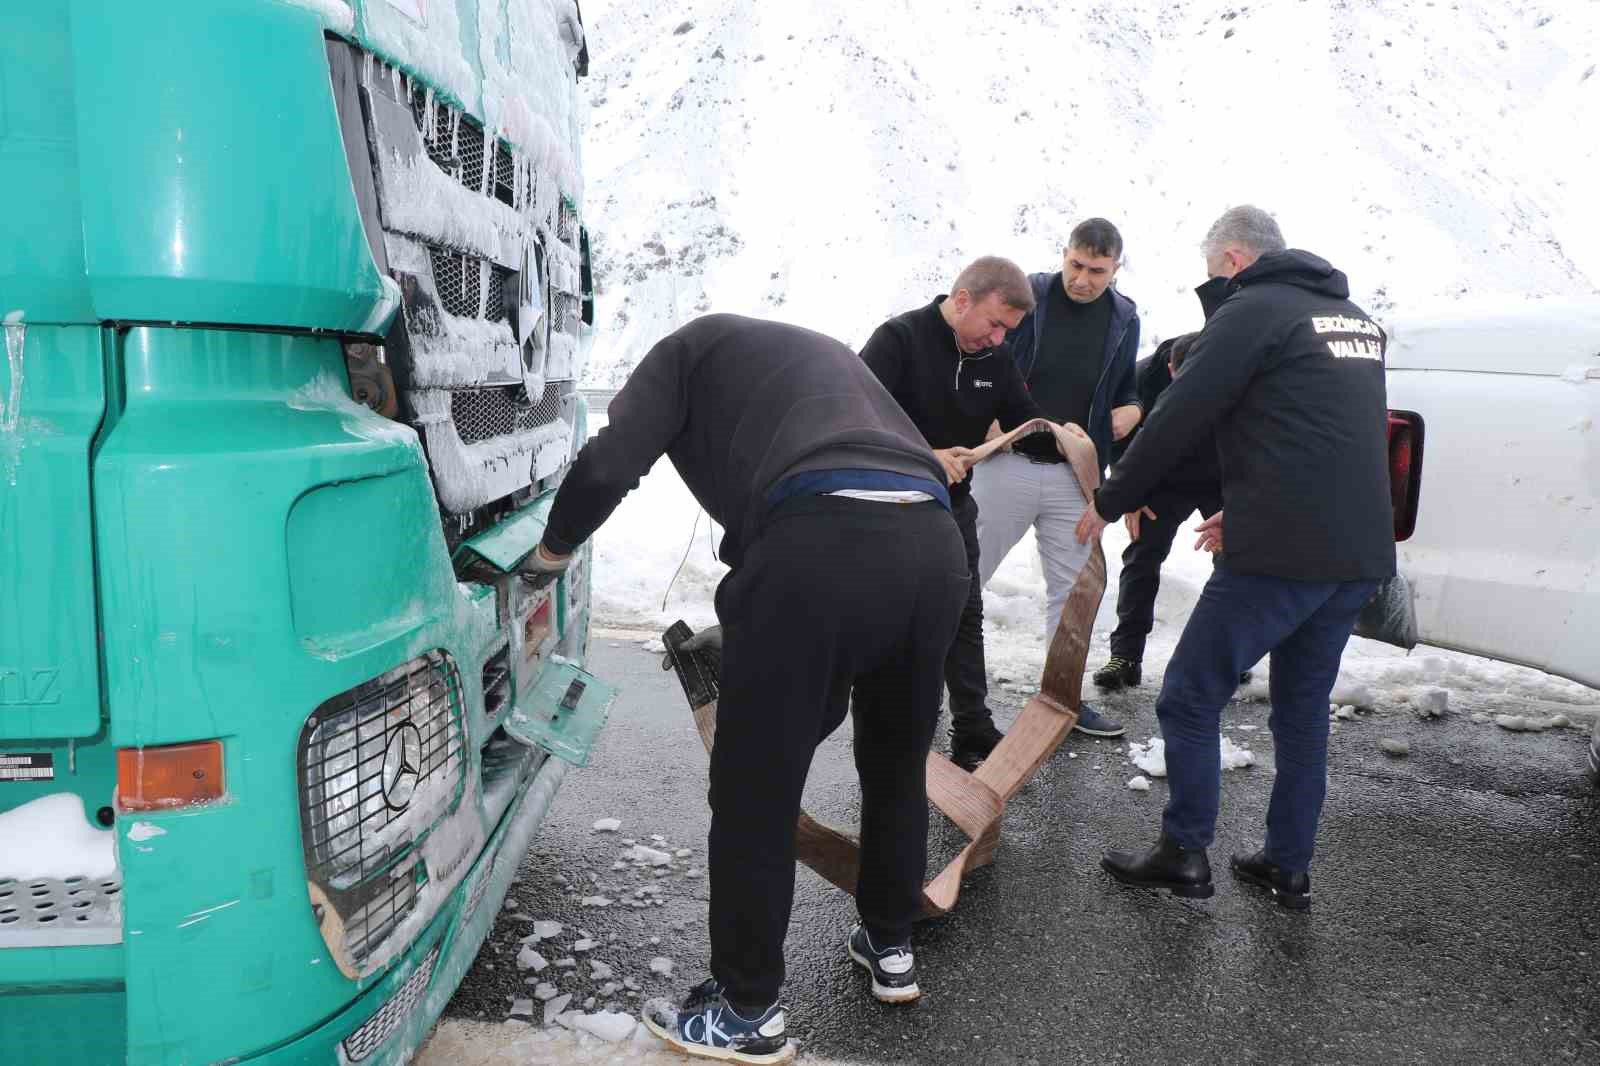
<point x="295" y="295"/>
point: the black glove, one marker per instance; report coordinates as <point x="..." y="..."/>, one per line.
<point x="539" y="569"/>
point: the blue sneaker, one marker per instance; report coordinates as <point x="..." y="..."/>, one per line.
<point x="893" y="967"/>
<point x="1092" y="723"/>
<point x="707" y="1027"/>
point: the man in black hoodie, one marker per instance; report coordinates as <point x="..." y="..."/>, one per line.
<point x="1289" y="373"/>
<point x="1193" y="483"/>
<point x="943" y="363"/>
<point x="848" y="574"/>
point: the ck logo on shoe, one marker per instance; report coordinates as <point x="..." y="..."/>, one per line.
<point x="774" y="1026"/>
<point x="709" y="1031"/>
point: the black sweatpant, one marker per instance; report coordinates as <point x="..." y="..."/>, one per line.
<point x="836" y="593"/>
<point x="1142" y="559"/>
<point x="965" y="673"/>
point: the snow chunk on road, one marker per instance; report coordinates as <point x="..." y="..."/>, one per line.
<point x="598" y="971"/>
<point x="543" y="931"/>
<point x="528" y="959"/>
<point x="648" y="856"/>
<point x="661" y="965"/>
<point x="1151" y="757"/>
<point x="610" y="1026"/>
<point x="608" y="825"/>
<point x="584" y="945"/>
<point x="545" y="991"/>
<point x="1235" y="757"/>
<point x="51" y="837"/>
<point x="596" y="901"/>
<point x="1140" y="784"/>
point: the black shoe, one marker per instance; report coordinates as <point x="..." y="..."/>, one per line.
<point x="893" y="968"/>
<point x="1182" y="871"/>
<point x="970" y="746"/>
<point x="1092" y="723"/>
<point x="1118" y="673"/>
<point x="1291" y="890"/>
<point x="706" y="1026"/>
<point x="1246" y="677"/>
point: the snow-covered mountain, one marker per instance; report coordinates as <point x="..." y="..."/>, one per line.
<point x="833" y="162"/>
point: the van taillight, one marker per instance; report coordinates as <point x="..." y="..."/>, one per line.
<point x="1405" y="470"/>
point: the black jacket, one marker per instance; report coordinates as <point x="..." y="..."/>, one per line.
<point x="950" y="397"/>
<point x="1290" y="374"/>
<point x="737" y="404"/>
<point x="1198" y="468"/>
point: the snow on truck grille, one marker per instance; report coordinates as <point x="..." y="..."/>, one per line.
<point x="469" y="287"/>
<point x="480" y="414"/>
<point x="379" y="765"/>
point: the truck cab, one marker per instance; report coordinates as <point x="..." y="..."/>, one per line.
<point x="294" y="299"/>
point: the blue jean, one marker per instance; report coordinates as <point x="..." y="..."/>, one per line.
<point x="1238" y="619"/>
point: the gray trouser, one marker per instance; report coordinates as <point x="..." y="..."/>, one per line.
<point x="1014" y="494"/>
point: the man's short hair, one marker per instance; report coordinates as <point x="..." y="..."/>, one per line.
<point x="993" y="274"/>
<point x="1247" y="227"/>
<point x="1096" y="236"/>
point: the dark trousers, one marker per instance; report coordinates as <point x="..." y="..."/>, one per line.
<point x="835" y="594"/>
<point x="1140" y="580"/>
<point x="965" y="674"/>
<point x="1238" y="619"/>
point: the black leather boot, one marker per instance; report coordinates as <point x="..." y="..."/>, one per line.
<point x="1292" y="890"/>
<point x="1182" y="871"/>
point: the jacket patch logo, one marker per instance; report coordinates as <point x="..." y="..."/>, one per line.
<point x="982" y="384"/>
<point x="1362" y="339"/>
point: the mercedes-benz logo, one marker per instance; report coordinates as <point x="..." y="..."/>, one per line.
<point x="402" y="762"/>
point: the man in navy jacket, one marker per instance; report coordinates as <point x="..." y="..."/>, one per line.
<point x="1075" y="351"/>
<point x="1288" y="374"/>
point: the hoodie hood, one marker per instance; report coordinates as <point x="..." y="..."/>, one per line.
<point x="1299" y="268"/>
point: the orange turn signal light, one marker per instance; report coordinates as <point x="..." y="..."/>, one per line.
<point x="162" y="777"/>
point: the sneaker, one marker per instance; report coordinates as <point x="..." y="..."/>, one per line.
<point x="969" y="747"/>
<point x="1291" y="890"/>
<point x="707" y="1027"/>
<point x="1118" y="673"/>
<point x="893" y="968"/>
<point x="1092" y="723"/>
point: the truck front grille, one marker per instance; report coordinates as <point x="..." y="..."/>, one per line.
<point x="360" y="1044"/>
<point x="482" y="414"/>
<point x="460" y="281"/>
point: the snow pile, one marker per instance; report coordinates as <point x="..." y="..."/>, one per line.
<point x="608" y="825"/>
<point x="1235" y="757"/>
<point x="51" y="837"/>
<point x="1390" y="120"/>
<point x="326" y="392"/>
<point x="1140" y="783"/>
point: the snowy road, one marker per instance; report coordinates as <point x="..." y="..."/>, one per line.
<point x="1457" y="917"/>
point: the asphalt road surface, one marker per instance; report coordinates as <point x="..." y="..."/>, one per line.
<point x="1456" y="915"/>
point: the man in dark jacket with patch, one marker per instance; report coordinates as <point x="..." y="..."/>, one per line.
<point x="1289" y="374"/>
<point x="848" y="574"/>
<point x="942" y="362"/>
<point x="1076" y="354"/>
<point x="1193" y="483"/>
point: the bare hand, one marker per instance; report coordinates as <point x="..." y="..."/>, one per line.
<point x="956" y="462"/>
<point x="1210" y="534"/>
<point x="1124" y="418"/>
<point x="1131" y="521"/>
<point x="996" y="431"/>
<point x="1091" y="525"/>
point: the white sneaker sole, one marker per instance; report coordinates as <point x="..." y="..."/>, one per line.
<point x="883" y="993"/>
<point x="702" y="1051"/>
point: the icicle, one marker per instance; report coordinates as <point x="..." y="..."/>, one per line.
<point x="366" y="70"/>
<point x="486" y="181"/>
<point x="483" y="288"/>
<point x="455" y="133"/>
<point x="430" y="131"/>
<point x="394" y="76"/>
<point x="11" y="409"/>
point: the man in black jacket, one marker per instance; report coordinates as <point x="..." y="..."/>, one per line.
<point x="943" y="364"/>
<point x="848" y="574"/>
<point x="1193" y="483"/>
<point x="1289" y="372"/>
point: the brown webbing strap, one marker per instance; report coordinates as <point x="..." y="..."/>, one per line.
<point x="976" y="802"/>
